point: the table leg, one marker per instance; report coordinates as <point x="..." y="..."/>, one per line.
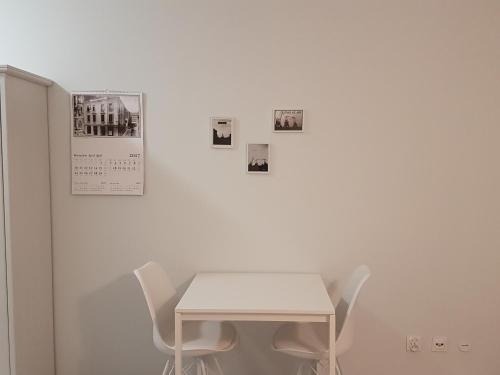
<point x="331" y="351"/>
<point x="178" y="344"/>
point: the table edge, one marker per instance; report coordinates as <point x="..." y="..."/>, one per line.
<point x="255" y="312"/>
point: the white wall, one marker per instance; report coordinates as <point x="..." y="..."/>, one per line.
<point x="398" y="167"/>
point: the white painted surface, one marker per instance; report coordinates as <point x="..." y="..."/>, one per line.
<point x="256" y="293"/>
<point x="271" y="297"/>
<point x="397" y="167"/>
<point x="27" y="235"/>
<point x="4" y="314"/>
<point x="12" y="71"/>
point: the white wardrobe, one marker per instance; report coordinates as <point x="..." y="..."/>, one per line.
<point x="26" y="303"/>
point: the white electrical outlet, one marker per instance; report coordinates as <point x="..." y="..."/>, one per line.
<point x="440" y="344"/>
<point x="413" y="344"/>
<point x="464" y="346"/>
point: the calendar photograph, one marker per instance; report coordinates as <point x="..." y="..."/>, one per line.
<point x="106" y="115"/>
<point x="107" y="148"/>
<point x="258" y="157"/>
<point x="221" y="132"/>
<point x="288" y="120"/>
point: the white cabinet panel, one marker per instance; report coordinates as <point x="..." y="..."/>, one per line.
<point x="4" y="321"/>
<point x="25" y="236"/>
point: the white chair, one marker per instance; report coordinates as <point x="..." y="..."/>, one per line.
<point x="200" y="339"/>
<point x="310" y="340"/>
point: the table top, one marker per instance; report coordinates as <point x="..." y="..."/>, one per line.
<point x="254" y="293"/>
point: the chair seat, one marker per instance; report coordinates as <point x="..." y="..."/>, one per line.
<point x="203" y="338"/>
<point x="303" y="340"/>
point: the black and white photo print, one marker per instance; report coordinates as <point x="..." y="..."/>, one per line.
<point x="106" y="115"/>
<point x="258" y="157"/>
<point x="288" y="120"/>
<point x="221" y="132"/>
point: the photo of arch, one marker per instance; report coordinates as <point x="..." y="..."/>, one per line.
<point x="288" y="120"/>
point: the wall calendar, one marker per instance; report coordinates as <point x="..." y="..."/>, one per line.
<point x="107" y="144"/>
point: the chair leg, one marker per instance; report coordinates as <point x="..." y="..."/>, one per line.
<point x="217" y="366"/>
<point x="314" y="368"/>
<point x="165" y="369"/>
<point x="299" y="369"/>
<point x="203" y="366"/>
<point x="307" y="368"/>
<point x="171" y="370"/>
<point x="337" y="367"/>
<point x="322" y="367"/>
<point x="185" y="370"/>
<point x="311" y="368"/>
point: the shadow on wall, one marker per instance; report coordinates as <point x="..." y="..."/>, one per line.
<point x="383" y="341"/>
<point x="254" y="354"/>
<point x="371" y="351"/>
<point x="117" y="333"/>
<point x="117" y="337"/>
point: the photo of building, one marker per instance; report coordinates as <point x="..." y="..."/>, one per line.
<point x="106" y="115"/>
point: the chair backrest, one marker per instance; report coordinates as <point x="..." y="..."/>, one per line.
<point x="346" y="304"/>
<point x="159" y="293"/>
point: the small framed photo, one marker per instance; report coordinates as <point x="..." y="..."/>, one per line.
<point x="288" y="120"/>
<point x="221" y="132"/>
<point x="258" y="157"/>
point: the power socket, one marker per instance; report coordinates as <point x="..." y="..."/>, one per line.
<point x="413" y="344"/>
<point x="464" y="346"/>
<point x="439" y="344"/>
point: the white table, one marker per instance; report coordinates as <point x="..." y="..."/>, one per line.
<point x="270" y="297"/>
